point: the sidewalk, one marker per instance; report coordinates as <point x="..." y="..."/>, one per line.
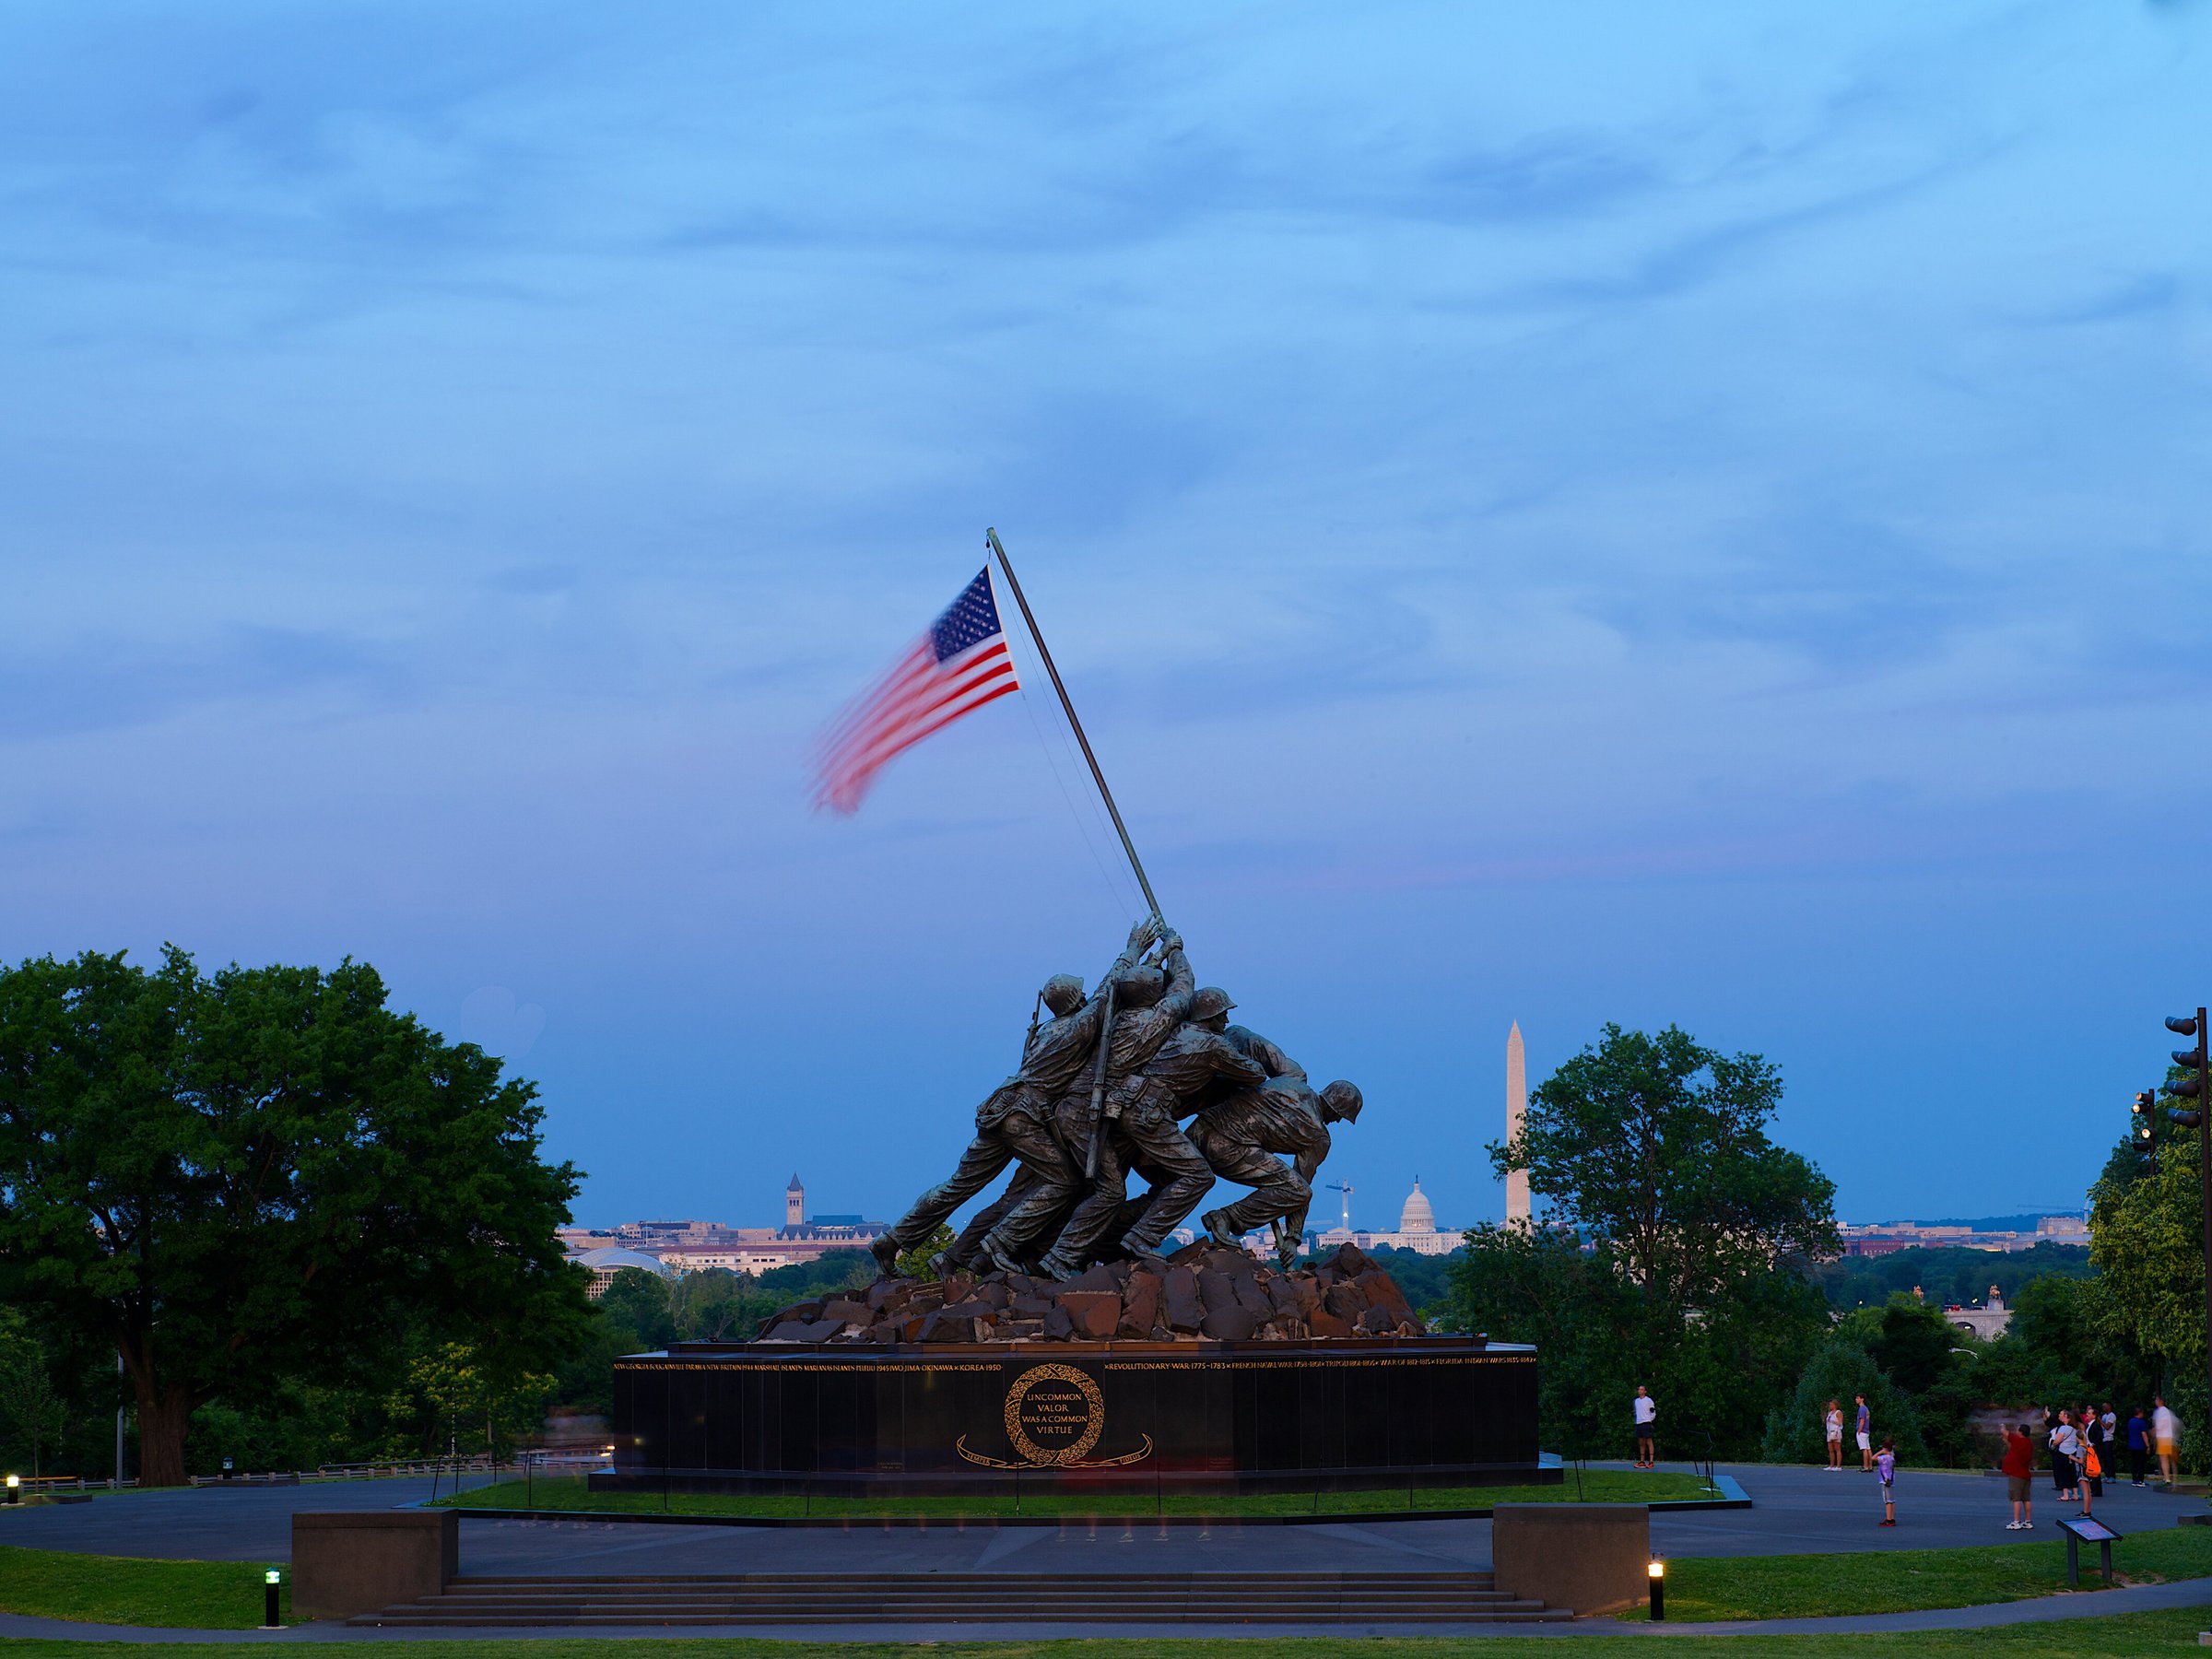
<point x="2189" y="1592"/>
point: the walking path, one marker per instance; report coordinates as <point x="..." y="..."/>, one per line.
<point x="1796" y="1510"/>
<point x="2191" y="1593"/>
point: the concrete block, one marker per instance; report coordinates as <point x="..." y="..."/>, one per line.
<point x="1587" y="1558"/>
<point x="348" y="1563"/>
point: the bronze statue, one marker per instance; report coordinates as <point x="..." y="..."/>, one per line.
<point x="1102" y="1086"/>
<point x="1238" y="1137"/>
<point x="1154" y="1002"/>
<point x="1013" y="1121"/>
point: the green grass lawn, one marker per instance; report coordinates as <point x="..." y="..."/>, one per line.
<point x="204" y="1595"/>
<point x="570" y="1493"/>
<point x="2130" y="1636"/>
<point x="1704" y="1588"/>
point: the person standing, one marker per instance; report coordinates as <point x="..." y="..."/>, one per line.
<point x="2020" y="1478"/>
<point x="1833" y="1422"/>
<point x="1647" y="1418"/>
<point x="2066" y="1446"/>
<point x="1886" y="1467"/>
<point x="2108" y="1431"/>
<point x="2138" y="1443"/>
<point x="2166" y="1435"/>
<point x="1864" y="1428"/>
<point x="2092" y="1474"/>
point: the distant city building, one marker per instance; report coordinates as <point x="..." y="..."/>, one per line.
<point x="1517" y="1117"/>
<point x="609" y="1260"/>
<point x="1417" y="1231"/>
<point x="1886" y="1238"/>
<point x="695" y="1246"/>
<point x="1986" y="1321"/>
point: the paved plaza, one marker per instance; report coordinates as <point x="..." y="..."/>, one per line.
<point x="1795" y="1511"/>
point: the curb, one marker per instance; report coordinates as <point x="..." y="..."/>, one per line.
<point x="1733" y="1496"/>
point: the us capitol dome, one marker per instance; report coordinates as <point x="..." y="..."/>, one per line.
<point x="1417" y="1231"/>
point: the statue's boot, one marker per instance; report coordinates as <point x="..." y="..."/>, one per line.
<point x="885" y="1249"/>
<point x="1216" y="1228"/>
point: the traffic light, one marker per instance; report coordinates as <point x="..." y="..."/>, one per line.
<point x="2145" y="1112"/>
<point x="2190" y="1085"/>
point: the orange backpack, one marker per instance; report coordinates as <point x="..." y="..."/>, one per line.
<point x="2089" y="1466"/>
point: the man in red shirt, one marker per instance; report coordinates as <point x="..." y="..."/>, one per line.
<point x="2019" y="1476"/>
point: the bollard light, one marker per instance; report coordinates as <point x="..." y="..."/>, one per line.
<point x="1658" y="1574"/>
<point x="15" y="1483"/>
<point x="269" y="1621"/>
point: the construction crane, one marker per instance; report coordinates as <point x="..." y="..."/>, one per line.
<point x="1346" y="1188"/>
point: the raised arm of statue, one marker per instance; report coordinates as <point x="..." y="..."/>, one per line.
<point x="1312" y="1156"/>
<point x="1223" y="1060"/>
<point x="1141" y="937"/>
<point x="1272" y="1059"/>
<point x="1181" y="985"/>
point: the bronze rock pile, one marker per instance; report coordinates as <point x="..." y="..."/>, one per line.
<point x="1207" y="1290"/>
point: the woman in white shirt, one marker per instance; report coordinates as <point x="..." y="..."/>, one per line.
<point x="1835" y="1434"/>
<point x="2066" y="1446"/>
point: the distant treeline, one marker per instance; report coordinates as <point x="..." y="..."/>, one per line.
<point x="1944" y="1276"/>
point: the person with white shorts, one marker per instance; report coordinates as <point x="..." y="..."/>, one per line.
<point x="1834" y="1422"/>
<point x="1865" y="1430"/>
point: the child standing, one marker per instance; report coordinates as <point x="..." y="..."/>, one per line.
<point x="1884" y="1465"/>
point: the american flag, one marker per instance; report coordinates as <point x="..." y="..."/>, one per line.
<point x="958" y="665"/>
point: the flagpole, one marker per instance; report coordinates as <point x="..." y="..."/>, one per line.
<point x="1097" y="776"/>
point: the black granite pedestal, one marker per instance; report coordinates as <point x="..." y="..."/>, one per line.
<point x="994" y="1418"/>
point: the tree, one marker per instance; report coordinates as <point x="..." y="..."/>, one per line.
<point x="1913" y="1343"/>
<point x="449" y="1392"/>
<point x="32" y="1406"/>
<point x="1523" y="1285"/>
<point x="264" y="1175"/>
<point x="1841" y="1371"/>
<point x="1678" y="1252"/>
<point x="640" y="1304"/>
<point x="914" y="1263"/>
<point x="1658" y="1146"/>
<point x="2148" y="1241"/>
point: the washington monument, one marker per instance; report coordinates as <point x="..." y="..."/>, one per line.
<point x="1516" y="1114"/>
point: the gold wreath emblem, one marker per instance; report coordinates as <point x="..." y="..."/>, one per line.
<point x="1094" y="1414"/>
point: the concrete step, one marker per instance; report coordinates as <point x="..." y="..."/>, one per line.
<point x="614" y="1600"/>
<point x="1036" y="1616"/>
<point x="995" y="1581"/>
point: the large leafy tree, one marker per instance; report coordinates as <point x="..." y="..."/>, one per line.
<point x="1675" y="1250"/>
<point x="1658" y="1146"/>
<point x="264" y="1175"/>
<point x="2146" y="1238"/>
<point x="2147" y="1305"/>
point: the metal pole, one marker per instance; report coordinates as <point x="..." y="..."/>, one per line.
<point x="1097" y="776"/>
<point x="119" y="1425"/>
<point x="2203" y="1178"/>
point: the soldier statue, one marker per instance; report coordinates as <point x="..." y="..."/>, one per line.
<point x="1145" y="1108"/>
<point x="1102" y="1090"/>
<point x="1015" y="1120"/>
<point x="1239" y="1137"/>
<point x="1149" y="1010"/>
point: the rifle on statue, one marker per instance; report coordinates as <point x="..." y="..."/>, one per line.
<point x="1098" y="1086"/>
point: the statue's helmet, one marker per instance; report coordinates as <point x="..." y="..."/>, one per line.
<point x="1139" y="987"/>
<point x="1210" y="1003"/>
<point x="1341" y="1101"/>
<point x="1062" y="994"/>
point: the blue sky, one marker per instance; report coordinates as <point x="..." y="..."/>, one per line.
<point x="1566" y="513"/>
